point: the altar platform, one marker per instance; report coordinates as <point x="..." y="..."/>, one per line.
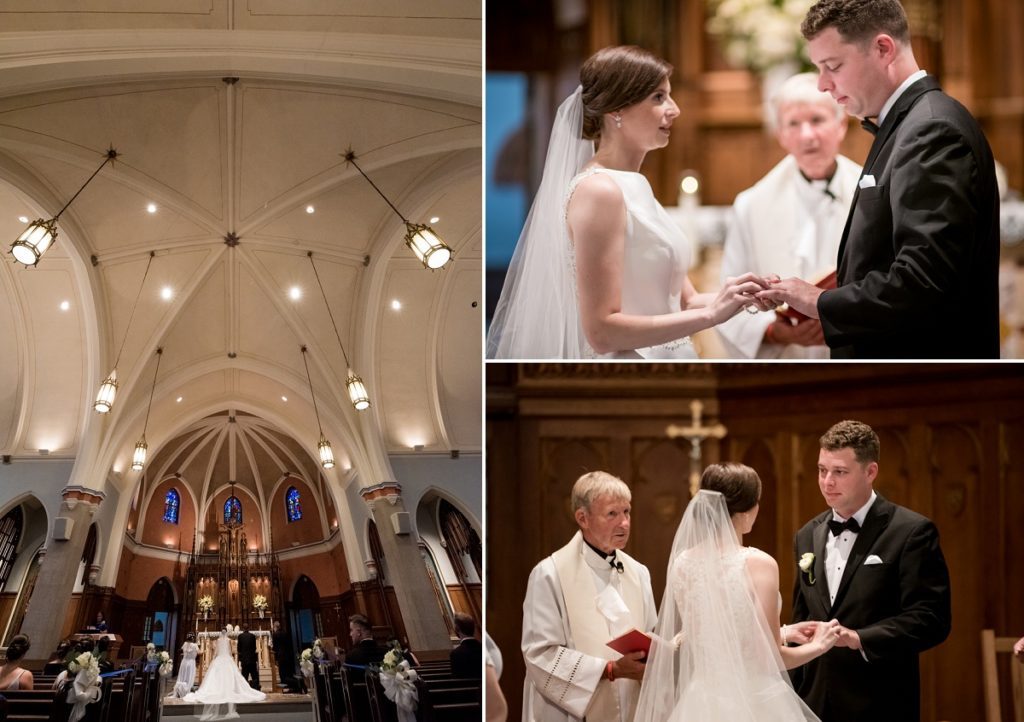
<point x="275" y="708"/>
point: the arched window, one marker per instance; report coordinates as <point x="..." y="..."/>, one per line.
<point x="292" y="505"/>
<point x="232" y="510"/>
<point x="171" y="503"/>
<point x="10" y="535"/>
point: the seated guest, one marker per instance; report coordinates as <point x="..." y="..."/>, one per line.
<point x="101" y="623"/>
<point x="467" y="656"/>
<point x="365" y="650"/>
<point x="102" y="654"/>
<point x="12" y="674"/>
<point x="58" y="661"/>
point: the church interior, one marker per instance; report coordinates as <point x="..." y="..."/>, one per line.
<point x="727" y="58"/>
<point x="952" y="436"/>
<point x="268" y="253"/>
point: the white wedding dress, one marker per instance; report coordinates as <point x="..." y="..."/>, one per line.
<point x="655" y="261"/>
<point x="187" y="670"/>
<point x="223" y="686"/>
<point x="714" y="656"/>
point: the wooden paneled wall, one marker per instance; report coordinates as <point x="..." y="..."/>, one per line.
<point x="952" y="448"/>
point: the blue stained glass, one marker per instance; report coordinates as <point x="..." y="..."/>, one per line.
<point x="171" y="503"/>
<point x="232" y="510"/>
<point x="294" y="508"/>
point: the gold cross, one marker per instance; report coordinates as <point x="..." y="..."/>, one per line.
<point x="695" y="432"/>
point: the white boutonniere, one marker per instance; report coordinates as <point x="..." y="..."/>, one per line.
<point x="806" y="565"/>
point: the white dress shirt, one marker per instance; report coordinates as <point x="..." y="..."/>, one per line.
<point x="837" y="549"/>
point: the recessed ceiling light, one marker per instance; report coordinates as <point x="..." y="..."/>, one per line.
<point x="284" y="398"/>
<point x="435" y="219"/>
<point x="151" y="207"/>
<point x="179" y="399"/>
<point x="310" y="209"/>
<point x="295" y="293"/>
<point x="166" y="293"/>
<point x="396" y="304"/>
<point x="65" y="305"/>
<point x="23" y="219"/>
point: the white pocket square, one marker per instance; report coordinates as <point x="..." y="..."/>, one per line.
<point x="867" y="181"/>
<point x="873" y="559"/>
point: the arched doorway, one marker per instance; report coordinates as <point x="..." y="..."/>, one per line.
<point x="161" y="615"/>
<point x="306" y="612"/>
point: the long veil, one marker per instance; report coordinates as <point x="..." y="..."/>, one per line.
<point x="537" y="315"/>
<point x="714" y="656"/>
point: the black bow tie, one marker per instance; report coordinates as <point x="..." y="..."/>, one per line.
<point x="838" y="527"/>
<point x="615" y="564"/>
<point x="870" y="126"/>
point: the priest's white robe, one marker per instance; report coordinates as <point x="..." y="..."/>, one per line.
<point x="787" y="225"/>
<point x="575" y="603"/>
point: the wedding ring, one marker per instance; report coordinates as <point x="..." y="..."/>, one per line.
<point x="752" y="309"/>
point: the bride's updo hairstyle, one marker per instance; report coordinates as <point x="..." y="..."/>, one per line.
<point x="615" y="78"/>
<point x="738" y="483"/>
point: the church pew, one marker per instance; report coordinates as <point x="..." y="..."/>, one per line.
<point x="46" y="705"/>
<point x="355" y="697"/>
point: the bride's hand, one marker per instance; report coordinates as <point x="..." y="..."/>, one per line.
<point x="826" y="635"/>
<point x="738" y="293"/>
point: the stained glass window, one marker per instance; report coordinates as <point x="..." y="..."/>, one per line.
<point x="171" y="503"/>
<point x="232" y="510"/>
<point x="294" y="508"/>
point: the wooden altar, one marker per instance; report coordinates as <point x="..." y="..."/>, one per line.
<point x="232" y="578"/>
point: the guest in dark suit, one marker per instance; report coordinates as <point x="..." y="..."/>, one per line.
<point x="247" y="657"/>
<point x="467" y="657"/>
<point x="365" y="650"/>
<point x="284" y="655"/>
<point x="918" y="260"/>
<point x="878" y="569"/>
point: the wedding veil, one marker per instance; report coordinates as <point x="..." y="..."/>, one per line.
<point x="714" y="657"/>
<point x="537" y="316"/>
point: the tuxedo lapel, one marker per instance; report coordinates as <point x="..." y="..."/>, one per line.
<point x="876" y="522"/>
<point x="820" y="536"/>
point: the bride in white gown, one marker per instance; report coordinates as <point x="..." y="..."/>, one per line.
<point x="223" y="685"/>
<point x="717" y="655"/>
<point x="600" y="269"/>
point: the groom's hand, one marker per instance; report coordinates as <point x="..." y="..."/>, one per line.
<point x="848" y="638"/>
<point x="630" y="666"/>
<point x="800" y="295"/>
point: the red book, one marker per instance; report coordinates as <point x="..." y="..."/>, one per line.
<point x="825" y="283"/>
<point x="632" y="641"/>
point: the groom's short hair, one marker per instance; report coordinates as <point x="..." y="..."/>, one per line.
<point x="853" y="435"/>
<point x="857" y="21"/>
<point x="598" y="483"/>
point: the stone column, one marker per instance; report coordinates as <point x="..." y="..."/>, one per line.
<point x="51" y="596"/>
<point x="406" y="572"/>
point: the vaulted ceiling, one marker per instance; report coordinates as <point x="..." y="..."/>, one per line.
<point x="232" y="127"/>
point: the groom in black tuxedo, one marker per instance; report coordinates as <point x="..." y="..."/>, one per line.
<point x="918" y="262"/>
<point x="878" y="569"/>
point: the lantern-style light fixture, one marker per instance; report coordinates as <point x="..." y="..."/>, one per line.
<point x="40" y="235"/>
<point x="108" y="389"/>
<point x="323" y="447"/>
<point x="421" y="239"/>
<point x="141" y="448"/>
<point x="353" y="382"/>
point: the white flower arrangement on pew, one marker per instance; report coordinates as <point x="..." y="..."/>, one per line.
<point x="309" y="656"/>
<point x="150" y="652"/>
<point x="86" y="688"/>
<point x="399" y="682"/>
<point x="166" y="664"/>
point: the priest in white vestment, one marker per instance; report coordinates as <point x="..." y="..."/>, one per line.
<point x="791" y="221"/>
<point x="578" y="599"/>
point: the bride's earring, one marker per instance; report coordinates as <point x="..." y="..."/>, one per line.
<point x="618" y="120"/>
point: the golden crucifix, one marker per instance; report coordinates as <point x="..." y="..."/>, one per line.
<point x="696" y="432"/>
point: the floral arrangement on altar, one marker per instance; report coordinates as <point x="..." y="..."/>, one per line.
<point x="260" y="602"/>
<point x="166" y="665"/>
<point x="760" y="34"/>
<point x="205" y="603"/>
<point x="86" y="687"/>
<point x="399" y="682"/>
